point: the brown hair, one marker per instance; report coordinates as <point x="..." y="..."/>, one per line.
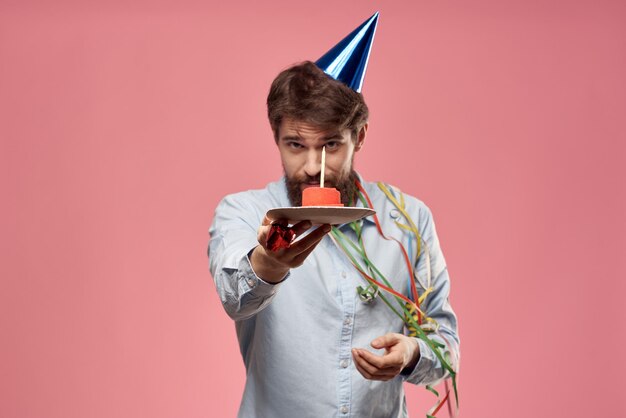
<point x="305" y="93"/>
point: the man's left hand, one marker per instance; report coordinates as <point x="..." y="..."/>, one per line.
<point x="400" y="352"/>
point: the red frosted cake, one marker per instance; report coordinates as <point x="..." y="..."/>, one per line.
<point x="321" y="196"/>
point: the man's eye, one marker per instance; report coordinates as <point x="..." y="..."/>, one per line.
<point x="294" y="145"/>
<point x="330" y="145"/>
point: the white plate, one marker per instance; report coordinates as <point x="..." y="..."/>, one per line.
<point x="334" y="215"/>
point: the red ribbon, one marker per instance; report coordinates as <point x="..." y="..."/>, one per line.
<point x="404" y="253"/>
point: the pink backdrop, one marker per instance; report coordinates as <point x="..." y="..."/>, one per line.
<point x="123" y="125"/>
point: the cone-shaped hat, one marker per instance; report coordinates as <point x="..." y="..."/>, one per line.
<point x="347" y="61"/>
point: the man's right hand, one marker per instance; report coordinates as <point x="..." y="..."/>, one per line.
<point x="272" y="266"/>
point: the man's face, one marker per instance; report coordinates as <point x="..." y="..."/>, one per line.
<point x="300" y="145"/>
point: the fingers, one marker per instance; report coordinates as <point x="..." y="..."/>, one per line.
<point x="384" y="367"/>
<point x="299" y="259"/>
<point x="297" y="251"/>
<point x="386" y="340"/>
<point x="312" y="239"/>
<point x="298" y="228"/>
<point x="265" y="228"/>
<point x="366" y="372"/>
<point x="301" y="227"/>
<point x="301" y="249"/>
<point x="400" y="352"/>
<point x="272" y="259"/>
<point x="388" y="360"/>
<point x="363" y="363"/>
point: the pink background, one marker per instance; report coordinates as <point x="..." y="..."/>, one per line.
<point x="122" y="125"/>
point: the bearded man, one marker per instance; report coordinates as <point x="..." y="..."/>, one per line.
<point x="310" y="345"/>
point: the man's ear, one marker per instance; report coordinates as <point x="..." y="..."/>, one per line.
<point x="360" y="139"/>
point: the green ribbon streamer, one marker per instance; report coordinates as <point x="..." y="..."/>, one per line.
<point x="344" y="242"/>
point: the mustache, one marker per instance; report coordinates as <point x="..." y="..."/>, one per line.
<point x="315" y="179"/>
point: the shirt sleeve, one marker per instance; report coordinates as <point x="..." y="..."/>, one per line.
<point x="233" y="236"/>
<point x="428" y="369"/>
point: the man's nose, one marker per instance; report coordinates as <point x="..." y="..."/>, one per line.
<point x="313" y="164"/>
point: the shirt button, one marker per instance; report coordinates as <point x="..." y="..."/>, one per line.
<point x="347" y="321"/>
<point x="344" y="363"/>
<point x="343" y="409"/>
<point x="251" y="283"/>
<point x="395" y="214"/>
<point x="344" y="274"/>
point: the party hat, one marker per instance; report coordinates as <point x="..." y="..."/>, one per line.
<point x="347" y="61"/>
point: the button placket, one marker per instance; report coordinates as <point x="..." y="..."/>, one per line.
<point x="347" y="298"/>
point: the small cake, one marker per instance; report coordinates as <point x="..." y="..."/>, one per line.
<point x="321" y="196"/>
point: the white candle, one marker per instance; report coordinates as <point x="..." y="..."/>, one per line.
<point x="323" y="166"/>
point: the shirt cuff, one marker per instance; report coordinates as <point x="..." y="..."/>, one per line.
<point x="425" y="364"/>
<point x="249" y="281"/>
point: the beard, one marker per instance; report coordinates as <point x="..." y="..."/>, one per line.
<point x="346" y="186"/>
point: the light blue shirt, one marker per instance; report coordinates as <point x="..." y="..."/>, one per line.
<point x="296" y="336"/>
